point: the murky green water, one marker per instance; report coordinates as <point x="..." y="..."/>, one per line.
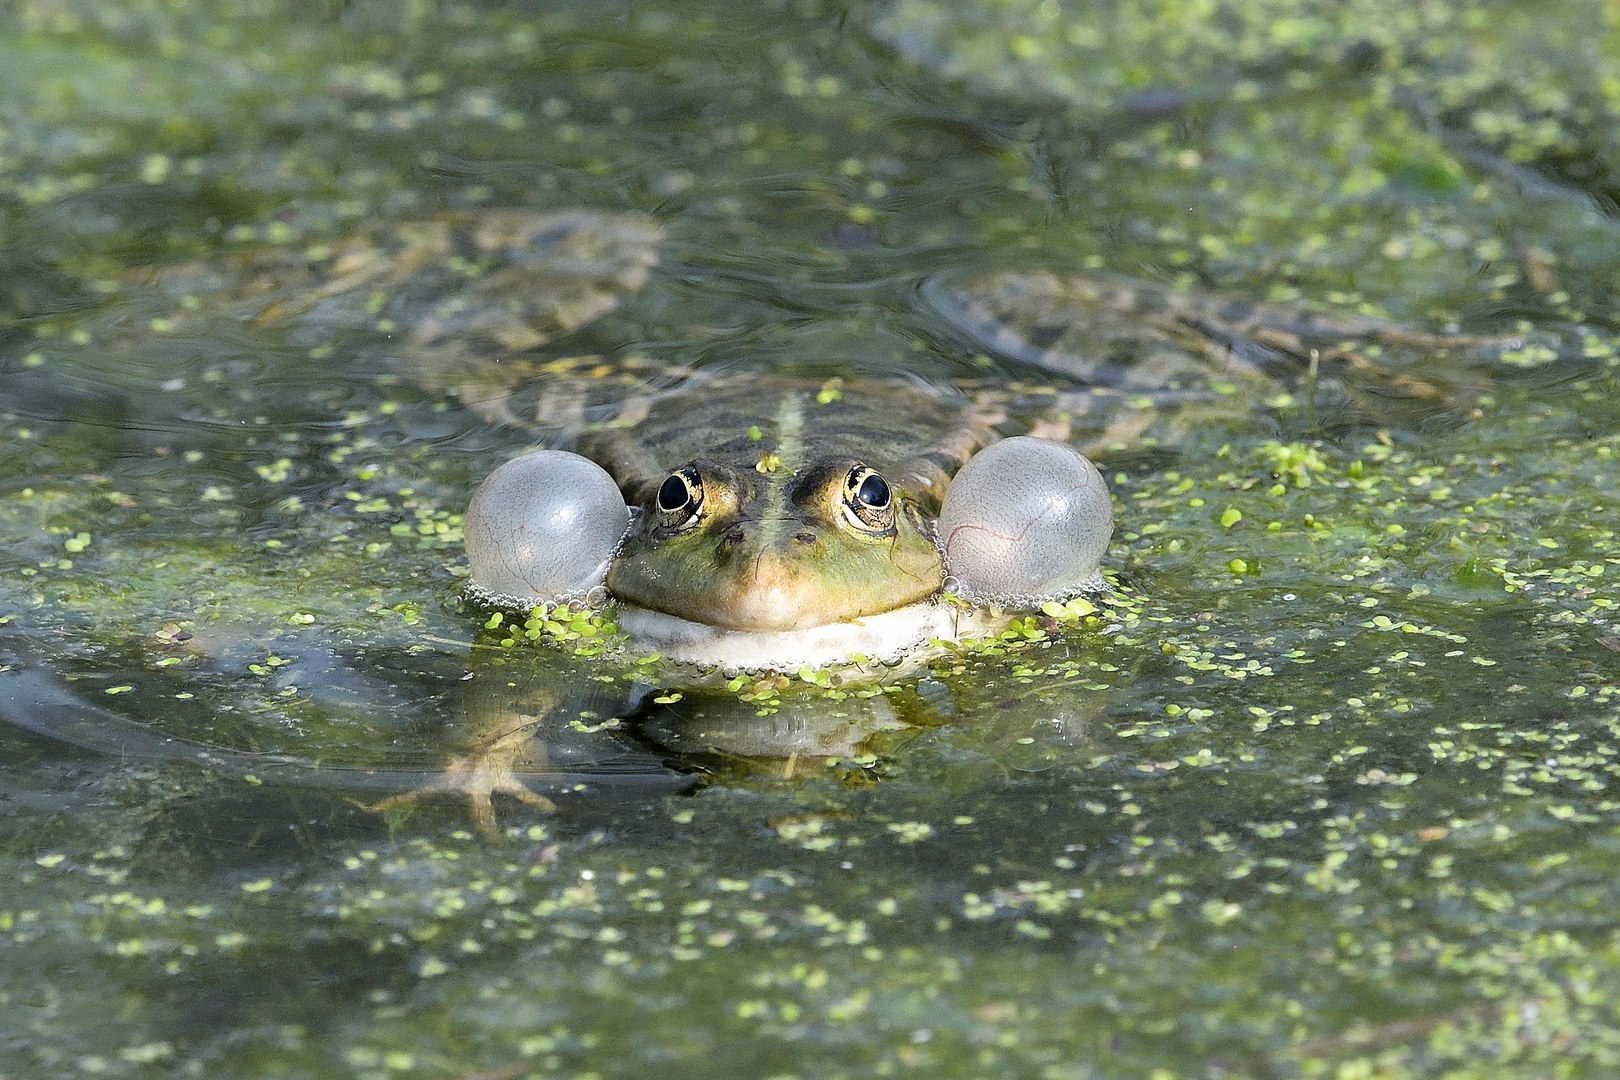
<point x="1327" y="793"/>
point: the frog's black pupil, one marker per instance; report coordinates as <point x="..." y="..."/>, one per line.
<point x="673" y="495"/>
<point x="874" y="492"/>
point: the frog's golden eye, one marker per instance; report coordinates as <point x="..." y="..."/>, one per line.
<point x="868" y="503"/>
<point x="680" y="497"/>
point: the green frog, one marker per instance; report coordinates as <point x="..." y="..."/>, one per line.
<point x="754" y="520"/>
<point x="749" y="519"/>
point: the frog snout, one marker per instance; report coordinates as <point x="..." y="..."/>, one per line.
<point x="752" y="539"/>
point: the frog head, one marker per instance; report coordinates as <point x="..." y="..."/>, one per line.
<point x="777" y="550"/>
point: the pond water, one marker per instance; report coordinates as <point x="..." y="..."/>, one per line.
<point x="1325" y="789"/>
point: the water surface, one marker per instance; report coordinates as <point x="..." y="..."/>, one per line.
<point x="1326" y="792"/>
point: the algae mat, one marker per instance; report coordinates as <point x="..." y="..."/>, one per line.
<point x="1325" y="791"/>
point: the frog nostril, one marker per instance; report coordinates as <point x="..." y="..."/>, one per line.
<point x="736" y="536"/>
<point x="805" y="537"/>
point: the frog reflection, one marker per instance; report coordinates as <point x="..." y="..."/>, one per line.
<point x="540" y="726"/>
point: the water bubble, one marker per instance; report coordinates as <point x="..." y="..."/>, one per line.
<point x="543" y="528"/>
<point x="1026" y="519"/>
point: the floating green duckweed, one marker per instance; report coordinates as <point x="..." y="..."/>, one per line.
<point x="1325" y="786"/>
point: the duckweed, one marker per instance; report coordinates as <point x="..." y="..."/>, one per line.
<point x="1323" y="786"/>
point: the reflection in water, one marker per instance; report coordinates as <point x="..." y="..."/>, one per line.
<point x="534" y="727"/>
<point x="729" y="736"/>
<point x="390" y="730"/>
<point x="535" y="720"/>
<point x="542" y="713"/>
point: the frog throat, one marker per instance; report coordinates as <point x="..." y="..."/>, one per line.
<point x="882" y="638"/>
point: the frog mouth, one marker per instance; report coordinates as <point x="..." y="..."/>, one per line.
<point x="767" y="592"/>
<point x="883" y="638"/>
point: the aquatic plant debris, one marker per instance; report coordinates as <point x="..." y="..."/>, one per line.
<point x="1325" y="789"/>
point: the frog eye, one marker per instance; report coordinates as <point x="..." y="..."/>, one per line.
<point x="868" y="503"/>
<point x="873" y="492"/>
<point x="681" y="496"/>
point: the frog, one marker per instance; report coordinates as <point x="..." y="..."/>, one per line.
<point x="777" y="519"/>
<point x="754" y="519"/>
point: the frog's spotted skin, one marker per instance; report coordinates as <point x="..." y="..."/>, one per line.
<point x="512" y="278"/>
<point x="462" y="298"/>
<point x="915" y="434"/>
<point x="547" y="275"/>
<point x="1182" y="345"/>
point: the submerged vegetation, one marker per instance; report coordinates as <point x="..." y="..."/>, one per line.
<point x="1323" y="789"/>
